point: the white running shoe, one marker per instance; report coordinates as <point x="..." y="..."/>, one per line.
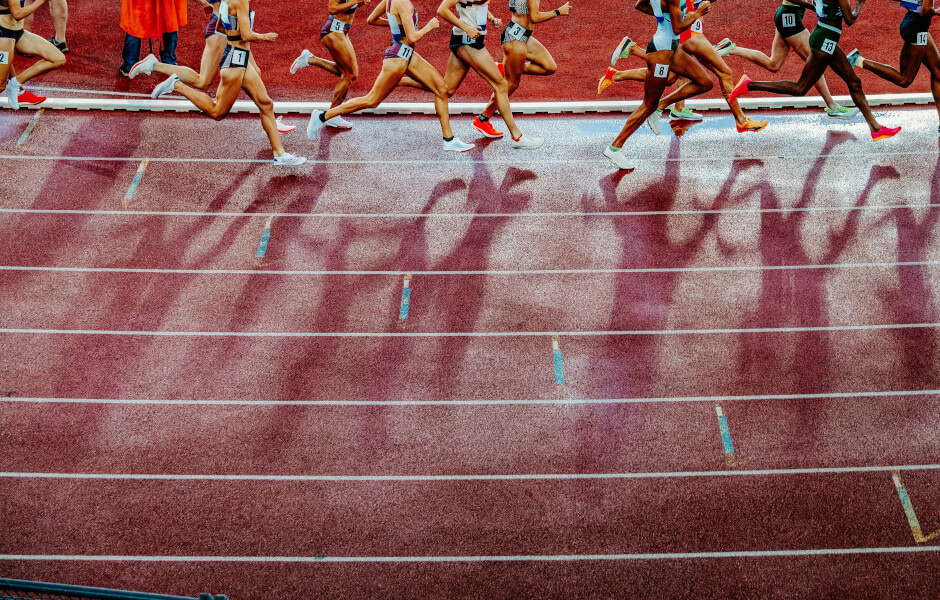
<point x="456" y="145"/>
<point x="164" y="88"/>
<point x="619" y="158"/>
<point x="13" y="93"/>
<point x="528" y="142"/>
<point x="339" y="123"/>
<point x="314" y="125"/>
<point x="653" y="121"/>
<point x="283" y="127"/>
<point x="289" y="160"/>
<point x="301" y="61"/>
<point x="144" y="67"/>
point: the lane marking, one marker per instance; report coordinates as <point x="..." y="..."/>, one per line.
<point x="43" y="88"/>
<point x="715" y="269"/>
<point x="467" y="334"/>
<point x="265" y="238"/>
<point x="484" y="402"/>
<point x="727" y="446"/>
<point x="405" y="302"/>
<point x="912" y="521"/>
<point x="471" y="477"/>
<point x="556" y="357"/>
<point x="482" y="558"/>
<point x="138" y="176"/>
<point x="29" y="128"/>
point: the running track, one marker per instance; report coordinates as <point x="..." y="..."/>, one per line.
<point x="746" y="327"/>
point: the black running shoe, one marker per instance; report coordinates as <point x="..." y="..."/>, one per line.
<point x="60" y="45"/>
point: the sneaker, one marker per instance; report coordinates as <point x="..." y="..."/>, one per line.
<point x="289" y="160"/>
<point x="23" y="54"/>
<point x="124" y="72"/>
<point x="301" y="61"/>
<point x="884" y="133"/>
<point x="751" y="125"/>
<point x="724" y="47"/>
<point x="164" y="88"/>
<point x="13" y="94"/>
<point x="30" y="99"/>
<point x="457" y="145"/>
<point x="60" y="46"/>
<point x="686" y="114"/>
<point x="528" y="142"/>
<point x="486" y="128"/>
<point x="607" y="80"/>
<point x="653" y="121"/>
<point x="283" y="127"/>
<point x="314" y="125"/>
<point x="144" y="67"/>
<point x="622" y="50"/>
<point x="841" y="112"/>
<point x="617" y="157"/>
<point x="854" y="57"/>
<point x="339" y="123"/>
<point x="741" y="89"/>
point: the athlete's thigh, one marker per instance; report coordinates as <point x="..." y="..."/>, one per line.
<point x="799" y="43"/>
<point x="481" y="61"/>
<point x="254" y="85"/>
<point x="839" y="64"/>
<point x="706" y="54"/>
<point x="341" y="49"/>
<point x="31" y="43"/>
<point x="514" y="58"/>
<point x="424" y="72"/>
<point x="536" y="52"/>
<point x="7" y="45"/>
<point x="932" y="58"/>
<point x="212" y="56"/>
<point x="686" y="65"/>
<point x="229" y="87"/>
<point x="912" y="57"/>
<point x="455" y="72"/>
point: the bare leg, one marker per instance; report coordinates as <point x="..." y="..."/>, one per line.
<point x="652" y="92"/>
<point x="52" y="59"/>
<point x="422" y="71"/>
<point x="225" y="96"/>
<point x="539" y="60"/>
<point x="482" y="62"/>
<point x="515" y="55"/>
<point x="208" y="68"/>
<point x="342" y="51"/>
<point x="60" y="18"/>
<point x="701" y="48"/>
<point x="254" y="87"/>
<point x="932" y="60"/>
<point x="912" y="57"/>
<point x="800" y="45"/>
<point x="699" y="82"/>
<point x="7" y="45"/>
<point x="392" y="71"/>
<point x="842" y="67"/>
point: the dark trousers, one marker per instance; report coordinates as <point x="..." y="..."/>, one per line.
<point x="131" y="53"/>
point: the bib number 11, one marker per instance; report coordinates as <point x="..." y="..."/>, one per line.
<point x="405" y="52"/>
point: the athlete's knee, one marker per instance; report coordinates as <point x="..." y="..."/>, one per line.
<point x="265" y="104"/>
<point x="705" y="85"/>
<point x="57" y="59"/>
<point x="775" y="64"/>
<point x="907" y="80"/>
<point x="501" y="87"/>
<point x="550" y="67"/>
<point x="351" y="76"/>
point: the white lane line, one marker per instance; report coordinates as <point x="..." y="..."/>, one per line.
<point x="462" y="334"/>
<point x="484" y="402"/>
<point x="469" y="477"/>
<point x="716" y="269"/>
<point x="537" y="215"/>
<point x="495" y="558"/>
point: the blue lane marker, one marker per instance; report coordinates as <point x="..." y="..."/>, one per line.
<point x="265" y="237"/>
<point x="556" y="351"/>
<point x="725" y="432"/>
<point x="912" y="521"/>
<point x="405" y="300"/>
<point x="129" y="196"/>
<point x="29" y="127"/>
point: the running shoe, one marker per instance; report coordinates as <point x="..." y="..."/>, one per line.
<point x="607" y="80"/>
<point x="686" y="114"/>
<point x="60" y="46"/>
<point x="164" y="88"/>
<point x="283" y="127"/>
<point x="144" y="67"/>
<point x="884" y="133"/>
<point x="841" y="112"/>
<point x="339" y="123"/>
<point x="30" y="99"/>
<point x="854" y="57"/>
<point x="13" y="94"/>
<point x="301" y="61"/>
<point x="741" y="89"/>
<point x="653" y="121"/>
<point x="622" y="50"/>
<point x="289" y="160"/>
<point x="528" y="142"/>
<point x="315" y="124"/>
<point x="751" y="125"/>
<point x="457" y="145"/>
<point x="724" y="47"/>
<point x="486" y="128"/>
<point x="617" y="157"/>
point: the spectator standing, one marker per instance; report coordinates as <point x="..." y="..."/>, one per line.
<point x="60" y="19"/>
<point x="145" y="19"/>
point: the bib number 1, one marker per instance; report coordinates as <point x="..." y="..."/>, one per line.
<point x="405" y="51"/>
<point x="661" y="71"/>
<point x="789" y="20"/>
<point x="921" y="38"/>
<point x="238" y="57"/>
<point x="829" y="46"/>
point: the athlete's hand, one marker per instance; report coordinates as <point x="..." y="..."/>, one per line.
<point x="565" y="9"/>
<point x="497" y="22"/>
<point x="269" y="37"/>
<point x="472" y="33"/>
<point x="434" y="23"/>
<point x="704" y="8"/>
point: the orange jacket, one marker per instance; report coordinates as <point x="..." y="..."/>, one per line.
<point x="152" y="18"/>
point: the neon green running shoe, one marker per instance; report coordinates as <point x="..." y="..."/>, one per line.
<point x="685" y="114"/>
<point x="622" y="50"/>
<point x="724" y="47"/>
<point x="842" y="113"/>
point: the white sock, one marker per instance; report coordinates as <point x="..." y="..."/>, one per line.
<point x="15" y="82"/>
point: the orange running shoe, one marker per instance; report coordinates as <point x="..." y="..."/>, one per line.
<point x="486" y="128"/>
<point x="607" y="80"/>
<point x="884" y="133"/>
<point x="30" y="99"/>
<point x="751" y="125"/>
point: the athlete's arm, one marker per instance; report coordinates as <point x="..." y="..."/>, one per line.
<point x="538" y="16"/>
<point x="848" y="13"/>
<point x="244" y="23"/>
<point x="21" y="13"/>
<point x="645" y="7"/>
<point x="377" y="17"/>
<point x="496" y="21"/>
<point x="675" y="14"/>
<point x="407" y="23"/>
<point x="804" y="4"/>
<point x="336" y="7"/>
<point x="446" y="12"/>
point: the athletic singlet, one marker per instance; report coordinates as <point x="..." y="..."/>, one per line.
<point x="519" y="7"/>
<point x="230" y="23"/>
<point x="5" y="6"/>
<point x="474" y="14"/>
<point x="828" y="10"/>
<point x="398" y="32"/>
<point x="352" y="10"/>
<point x="664" y="38"/>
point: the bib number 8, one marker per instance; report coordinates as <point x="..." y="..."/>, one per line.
<point x="337" y="26"/>
<point x="405" y="52"/>
<point x="661" y="71"/>
<point x="922" y="39"/>
<point x="829" y="46"/>
<point x="789" y="20"/>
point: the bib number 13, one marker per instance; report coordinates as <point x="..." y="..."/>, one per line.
<point x="789" y="20"/>
<point x="829" y="46"/>
<point x="405" y="52"/>
<point x="661" y="71"/>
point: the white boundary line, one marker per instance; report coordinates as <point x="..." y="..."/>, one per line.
<point x="495" y="558"/>
<point x="715" y="269"/>
<point x="427" y="108"/>
<point x="469" y="477"/>
<point x="461" y="334"/>
<point x="554" y="402"/>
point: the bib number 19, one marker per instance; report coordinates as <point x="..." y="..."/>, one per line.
<point x="829" y="46"/>
<point x="661" y="71"/>
<point x="405" y="52"/>
<point x="922" y="38"/>
<point x="789" y="20"/>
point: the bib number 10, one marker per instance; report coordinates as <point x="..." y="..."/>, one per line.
<point x="789" y="20"/>
<point x="661" y="71"/>
<point x="829" y="46"/>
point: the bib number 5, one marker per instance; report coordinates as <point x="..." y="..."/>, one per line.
<point x="829" y="46"/>
<point x="337" y="26"/>
<point x="661" y="71"/>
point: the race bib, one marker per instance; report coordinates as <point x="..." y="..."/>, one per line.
<point x="405" y="51"/>
<point x="515" y="32"/>
<point x="697" y="26"/>
<point x="239" y="58"/>
<point x="829" y="46"/>
<point x="337" y="26"/>
<point x="661" y="71"/>
<point x="921" y="39"/>
<point x="4" y="58"/>
<point x="789" y="20"/>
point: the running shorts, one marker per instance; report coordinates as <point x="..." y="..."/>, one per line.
<point x="334" y="26"/>
<point x="234" y="58"/>
<point x="458" y="40"/>
<point x="824" y="39"/>
<point x="514" y="32"/>
<point x="212" y="26"/>
<point x="399" y="50"/>
<point x="696" y="29"/>
<point x="914" y="28"/>
<point x="13" y="34"/>
<point x="789" y="20"/>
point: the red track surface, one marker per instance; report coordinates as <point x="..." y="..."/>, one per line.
<point x="769" y="280"/>
<point x="581" y="45"/>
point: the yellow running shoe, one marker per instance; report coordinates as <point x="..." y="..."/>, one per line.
<point x="751" y="125"/>
<point x="607" y="80"/>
